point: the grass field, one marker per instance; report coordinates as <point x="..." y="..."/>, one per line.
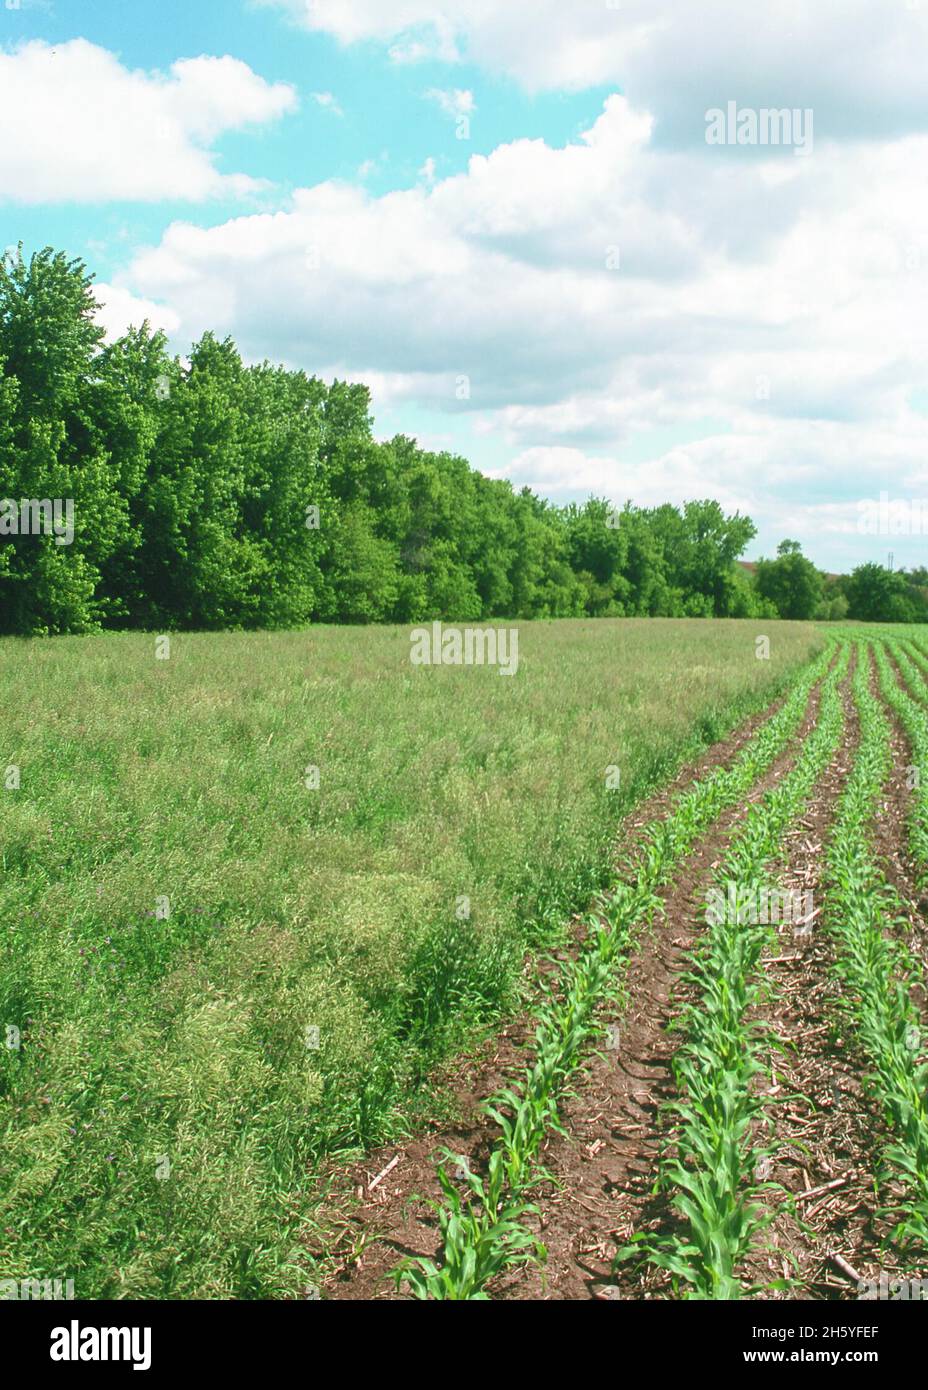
<point x="216" y="973"/>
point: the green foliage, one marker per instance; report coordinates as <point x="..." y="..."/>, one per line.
<point x="790" y="582"/>
<point x="832" y="606"/>
<point x="335" y="908"/>
<point x="50" y="447"/>
<point x="878" y="595"/>
<point x="211" y="495"/>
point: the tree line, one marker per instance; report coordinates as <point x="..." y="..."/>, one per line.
<point x="206" y="493"/>
<point x="872" y="593"/>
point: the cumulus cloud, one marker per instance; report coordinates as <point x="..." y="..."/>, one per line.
<point x="120" y="310"/>
<point x="80" y="127"/>
<point x="859" y="63"/>
<point x="624" y="318"/>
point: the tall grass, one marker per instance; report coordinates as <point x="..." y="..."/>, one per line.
<point x="214" y="975"/>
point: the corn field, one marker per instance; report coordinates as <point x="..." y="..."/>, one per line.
<point x="779" y="1086"/>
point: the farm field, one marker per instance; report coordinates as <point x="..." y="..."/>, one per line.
<point x="721" y="1092"/>
<point x="257" y="893"/>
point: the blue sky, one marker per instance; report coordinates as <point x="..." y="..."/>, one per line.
<point x="387" y="121"/>
<point x="581" y="294"/>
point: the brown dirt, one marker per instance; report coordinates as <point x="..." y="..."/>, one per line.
<point x="605" y="1173"/>
<point x="658" y="804"/>
<point x="891" y="837"/>
<point x="829" y="1135"/>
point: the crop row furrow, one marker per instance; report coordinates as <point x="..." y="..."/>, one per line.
<point x="708" y="1169"/>
<point x="875" y="968"/>
<point x="913" y="717"/>
<point x="482" y="1217"/>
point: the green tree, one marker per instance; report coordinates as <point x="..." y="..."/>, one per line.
<point x="363" y="571"/>
<point x="790" y="582"/>
<point x="51" y="449"/>
<point x="210" y="494"/>
<point x="286" y="507"/>
<point x="878" y="595"/>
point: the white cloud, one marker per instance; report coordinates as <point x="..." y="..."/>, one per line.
<point x="328" y="103"/>
<point x="454" y="103"/>
<point x="80" y="127"/>
<point x="774" y="478"/>
<point x="120" y="310"/>
<point x="632" y="320"/>
<point x="859" y="63"/>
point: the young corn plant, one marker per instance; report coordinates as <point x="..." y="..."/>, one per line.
<point x="877" y="971"/>
<point x="913" y="649"/>
<point x="715" y="1155"/>
<point x="480" y="1237"/>
<point x="482" y="1231"/>
<point x="913" y="717"/>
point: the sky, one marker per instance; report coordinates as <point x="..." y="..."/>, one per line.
<point x="564" y="240"/>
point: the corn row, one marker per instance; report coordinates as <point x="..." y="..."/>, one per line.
<point x="710" y="1175"/>
<point x="482" y="1218"/>
<point x="876" y="971"/>
<point x="914" y="650"/>
<point x="914" y="719"/>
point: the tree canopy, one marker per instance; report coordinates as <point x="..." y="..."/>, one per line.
<point x="208" y="493"/>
